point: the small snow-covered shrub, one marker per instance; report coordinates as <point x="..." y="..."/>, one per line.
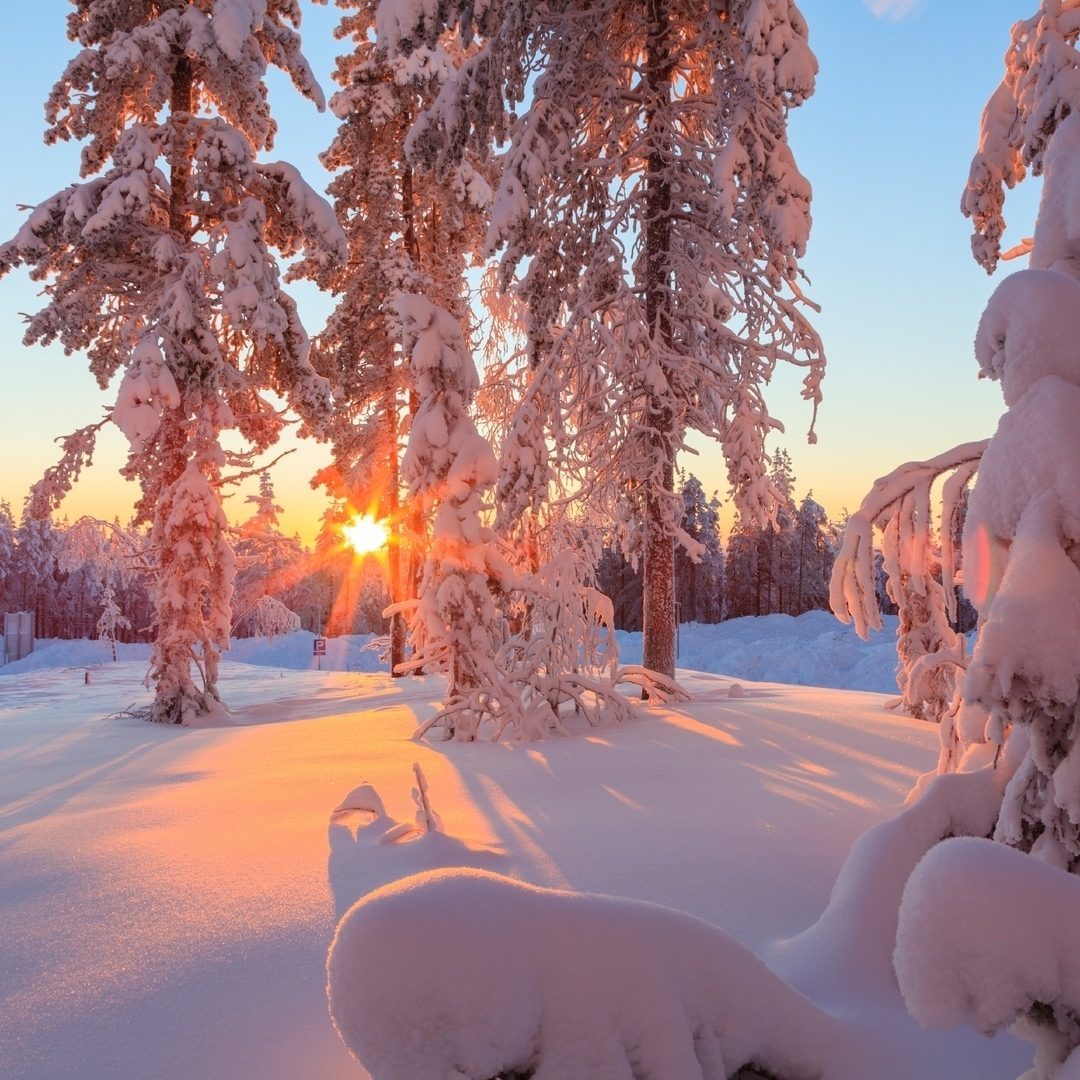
<point x="468" y="975"/>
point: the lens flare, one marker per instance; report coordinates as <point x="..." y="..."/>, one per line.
<point x="365" y="534"/>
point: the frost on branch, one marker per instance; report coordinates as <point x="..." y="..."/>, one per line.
<point x="468" y="975"/>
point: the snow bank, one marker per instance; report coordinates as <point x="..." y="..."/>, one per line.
<point x="986" y="935"/>
<point x="857" y="931"/>
<point x="464" y="975"/>
<point x="293" y="652"/>
<point x="78" y="653"/>
<point x="812" y="649"/>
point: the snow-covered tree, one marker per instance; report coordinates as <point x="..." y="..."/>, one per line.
<point x="919" y="580"/>
<point x="650" y="217"/>
<point x="449" y="466"/>
<point x="269" y="617"/>
<point x="158" y="263"/>
<point x="267" y="561"/>
<point x="1039" y="90"/>
<point x="1022" y="540"/>
<point x="816" y="542"/>
<point x="498" y="679"/>
<point x="34" y="570"/>
<point x="7" y="549"/>
<point x="409" y="232"/>
<point x="106" y="558"/>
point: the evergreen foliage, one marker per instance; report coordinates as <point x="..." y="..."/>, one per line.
<point x="158" y="263"/>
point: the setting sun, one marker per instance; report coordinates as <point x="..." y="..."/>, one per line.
<point x="365" y="534"/>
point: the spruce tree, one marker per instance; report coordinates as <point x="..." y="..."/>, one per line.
<point x="158" y="263"/>
<point x="409" y="232"/>
<point x="650" y="218"/>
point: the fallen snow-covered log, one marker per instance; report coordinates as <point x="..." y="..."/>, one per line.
<point x="468" y="975"/>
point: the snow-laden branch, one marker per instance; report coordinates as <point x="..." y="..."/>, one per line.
<point x="852" y="594"/>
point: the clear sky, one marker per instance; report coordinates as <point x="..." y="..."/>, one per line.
<point x="885" y="141"/>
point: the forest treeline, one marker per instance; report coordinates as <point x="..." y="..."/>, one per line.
<point x="91" y="578"/>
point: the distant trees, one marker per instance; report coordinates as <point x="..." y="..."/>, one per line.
<point x="86" y="579"/>
<point x="783" y="566"/>
<point x="160" y="267"/>
<point x="699" y="564"/>
<point x="267" y="561"/>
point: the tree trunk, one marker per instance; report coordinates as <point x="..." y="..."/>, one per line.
<point x="180" y="102"/>
<point x="393" y="557"/>
<point x="658" y="602"/>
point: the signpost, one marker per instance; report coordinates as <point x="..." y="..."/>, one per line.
<point x="318" y="650"/>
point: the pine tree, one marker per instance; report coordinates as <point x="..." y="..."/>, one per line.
<point x="651" y="218"/>
<point x="158" y="264"/>
<point x="409" y="232"/>
<point x="817" y="541"/>
<point x="699" y="566"/>
<point x="7" y="552"/>
<point x="102" y="555"/>
<point x="266" y="559"/>
<point x="36" y="546"/>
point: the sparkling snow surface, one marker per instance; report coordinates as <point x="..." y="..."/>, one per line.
<point x="168" y="895"/>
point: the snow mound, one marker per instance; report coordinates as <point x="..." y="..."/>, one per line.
<point x="812" y="649"/>
<point x="957" y="964"/>
<point x="1027" y="331"/>
<point x="77" y="653"/>
<point x="466" y="975"/>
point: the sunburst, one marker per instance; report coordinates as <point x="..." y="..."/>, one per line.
<point x="365" y="534"/>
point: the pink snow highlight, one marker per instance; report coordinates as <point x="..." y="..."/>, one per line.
<point x="463" y="973"/>
<point x="964" y="957"/>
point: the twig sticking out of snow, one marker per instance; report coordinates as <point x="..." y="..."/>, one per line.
<point x="426" y="818"/>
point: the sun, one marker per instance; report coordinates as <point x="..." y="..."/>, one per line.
<point x="365" y="534"/>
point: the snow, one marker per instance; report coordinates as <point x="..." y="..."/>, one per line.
<point x="169" y="895"/>
<point x="808" y="650"/>
<point x="956" y="966"/>
<point x="811" y="649"/>
<point x="576" y="987"/>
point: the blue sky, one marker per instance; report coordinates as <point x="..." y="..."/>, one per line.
<point x="885" y="142"/>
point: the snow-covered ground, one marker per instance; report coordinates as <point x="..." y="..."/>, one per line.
<point x="811" y="650"/>
<point x="168" y="896"/>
